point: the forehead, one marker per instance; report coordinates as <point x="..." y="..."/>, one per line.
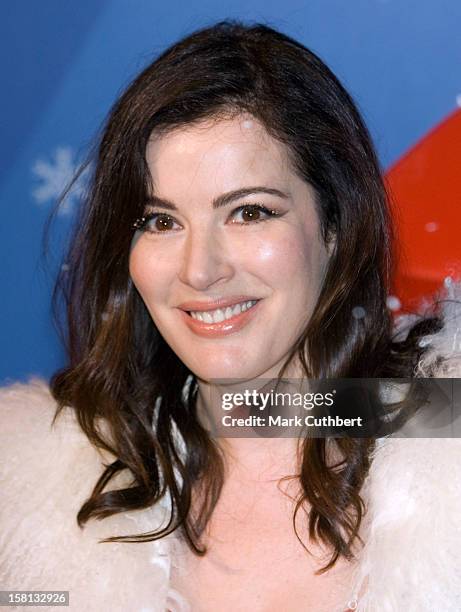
<point x="217" y="154"/>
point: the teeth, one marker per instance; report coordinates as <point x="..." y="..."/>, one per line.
<point x="237" y="309"/>
<point x="220" y="314"/>
<point x="207" y="317"/>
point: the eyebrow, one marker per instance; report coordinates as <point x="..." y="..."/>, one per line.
<point x="222" y="200"/>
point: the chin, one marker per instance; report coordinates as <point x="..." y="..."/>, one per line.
<point x="215" y="374"/>
<point x="226" y="371"/>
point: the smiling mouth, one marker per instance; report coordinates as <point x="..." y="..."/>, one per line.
<point x="221" y="314"/>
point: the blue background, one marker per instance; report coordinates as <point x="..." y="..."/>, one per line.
<point x="64" y="63"/>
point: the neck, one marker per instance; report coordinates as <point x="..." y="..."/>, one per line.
<point x="249" y="456"/>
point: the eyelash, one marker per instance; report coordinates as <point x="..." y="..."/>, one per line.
<point x="141" y="223"/>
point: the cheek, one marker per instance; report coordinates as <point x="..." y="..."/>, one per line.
<point x="138" y="270"/>
<point x="283" y="257"/>
<point x="147" y="271"/>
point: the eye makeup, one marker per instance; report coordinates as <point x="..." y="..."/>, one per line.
<point x="254" y="211"/>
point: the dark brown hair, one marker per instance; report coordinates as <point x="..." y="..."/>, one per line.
<point x="120" y="368"/>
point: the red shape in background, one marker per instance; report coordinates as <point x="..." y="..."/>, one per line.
<point x="425" y="188"/>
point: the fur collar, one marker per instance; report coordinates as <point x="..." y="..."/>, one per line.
<point x="412" y="555"/>
<point x="411" y="559"/>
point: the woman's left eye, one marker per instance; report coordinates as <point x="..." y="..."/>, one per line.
<point x="162" y="223"/>
<point x="252" y="213"/>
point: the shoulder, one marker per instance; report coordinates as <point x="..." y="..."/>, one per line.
<point x="412" y="551"/>
<point x="38" y="456"/>
<point x="47" y="471"/>
<point x="31" y="399"/>
<point x="412" y="544"/>
<point x="26" y="416"/>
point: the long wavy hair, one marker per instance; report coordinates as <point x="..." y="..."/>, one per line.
<point x="120" y="368"/>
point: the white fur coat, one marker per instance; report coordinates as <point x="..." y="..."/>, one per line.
<point x="411" y="561"/>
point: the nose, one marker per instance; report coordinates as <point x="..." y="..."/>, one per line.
<point x="205" y="260"/>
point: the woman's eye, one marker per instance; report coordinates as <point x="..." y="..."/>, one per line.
<point x="162" y="223"/>
<point x="252" y="213"/>
<point x="156" y="223"/>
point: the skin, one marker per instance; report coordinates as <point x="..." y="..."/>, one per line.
<point x="210" y="253"/>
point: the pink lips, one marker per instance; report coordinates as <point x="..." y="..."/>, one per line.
<point x="210" y="330"/>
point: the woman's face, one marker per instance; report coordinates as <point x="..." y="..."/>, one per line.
<point x="231" y="262"/>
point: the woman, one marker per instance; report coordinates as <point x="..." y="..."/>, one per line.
<point x="236" y="224"/>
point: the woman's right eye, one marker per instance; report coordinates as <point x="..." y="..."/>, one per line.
<point x="156" y="223"/>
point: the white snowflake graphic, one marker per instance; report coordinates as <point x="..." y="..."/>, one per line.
<point x="56" y="176"/>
